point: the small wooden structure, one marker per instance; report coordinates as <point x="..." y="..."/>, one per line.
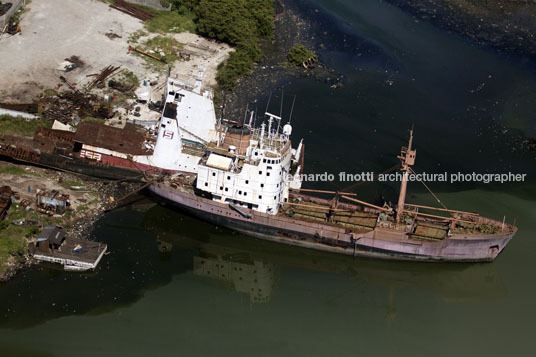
<point x="74" y="254"/>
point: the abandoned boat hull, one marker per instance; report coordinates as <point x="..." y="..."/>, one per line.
<point x="377" y="243"/>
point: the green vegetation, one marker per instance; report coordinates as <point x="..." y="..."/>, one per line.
<point x="176" y="21"/>
<point x="12" y="245"/>
<point x="16" y="170"/>
<point x="49" y="92"/>
<point x="168" y="45"/>
<point x="93" y="120"/>
<point x="129" y="78"/>
<point x="12" y="238"/>
<point x="135" y="36"/>
<point x="70" y="183"/>
<point x="20" y="126"/>
<point x="13" y="170"/>
<point x="85" y="206"/>
<point x="241" y="23"/>
<point x="299" y="54"/>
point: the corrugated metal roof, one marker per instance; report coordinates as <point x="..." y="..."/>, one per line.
<point x="129" y="140"/>
<point x="219" y="162"/>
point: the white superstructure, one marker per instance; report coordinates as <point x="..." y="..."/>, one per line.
<point x="251" y="167"/>
<point x="241" y="166"/>
<point x="187" y="125"/>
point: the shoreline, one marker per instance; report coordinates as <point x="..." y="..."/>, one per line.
<point x="507" y="27"/>
<point x="78" y="223"/>
<point x="272" y="73"/>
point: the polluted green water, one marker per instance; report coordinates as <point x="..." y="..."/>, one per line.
<point x="174" y="285"/>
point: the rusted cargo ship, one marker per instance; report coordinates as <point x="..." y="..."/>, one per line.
<point x="248" y="179"/>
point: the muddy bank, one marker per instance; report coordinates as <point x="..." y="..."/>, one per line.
<point x="90" y="198"/>
<point x="508" y="26"/>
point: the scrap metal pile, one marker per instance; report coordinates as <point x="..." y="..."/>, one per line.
<point x="68" y="105"/>
<point x="132" y="10"/>
<point x="52" y="202"/>
<point x="101" y="77"/>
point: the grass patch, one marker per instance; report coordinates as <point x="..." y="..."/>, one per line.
<point x="134" y="37"/>
<point x="85" y="206"/>
<point x="13" y="170"/>
<point x="49" y="92"/>
<point x="20" y="126"/>
<point x="171" y="21"/>
<point x="93" y="120"/>
<point x="13" y="241"/>
<point x="160" y="44"/>
<point x="12" y="244"/>
<point x="129" y="78"/>
<point x="71" y="183"/>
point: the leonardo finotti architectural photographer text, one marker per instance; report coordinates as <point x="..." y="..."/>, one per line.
<point x="426" y="177"/>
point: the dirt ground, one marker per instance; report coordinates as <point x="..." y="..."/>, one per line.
<point x="53" y="30"/>
<point x="43" y="179"/>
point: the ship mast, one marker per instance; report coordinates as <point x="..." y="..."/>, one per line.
<point x="407" y="158"/>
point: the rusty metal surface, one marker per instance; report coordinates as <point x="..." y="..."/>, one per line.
<point x="19" y="148"/>
<point x="5" y="200"/>
<point x="129" y="140"/>
<point x="132" y="10"/>
<point x="46" y="134"/>
<point x="31" y="108"/>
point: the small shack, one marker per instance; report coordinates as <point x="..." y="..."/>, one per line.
<point x="54" y="246"/>
<point x="51" y="237"/>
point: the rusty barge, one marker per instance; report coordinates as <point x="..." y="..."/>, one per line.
<point x="94" y="150"/>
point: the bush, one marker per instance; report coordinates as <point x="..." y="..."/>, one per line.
<point x="238" y="64"/>
<point x="240" y="23"/>
<point x="32" y="231"/>
<point x="299" y="54"/>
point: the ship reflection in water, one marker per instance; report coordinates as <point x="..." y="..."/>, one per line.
<point x="236" y="269"/>
<point x="253" y="266"/>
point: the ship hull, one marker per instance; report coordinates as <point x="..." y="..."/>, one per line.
<point x="90" y="168"/>
<point x="377" y="243"/>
